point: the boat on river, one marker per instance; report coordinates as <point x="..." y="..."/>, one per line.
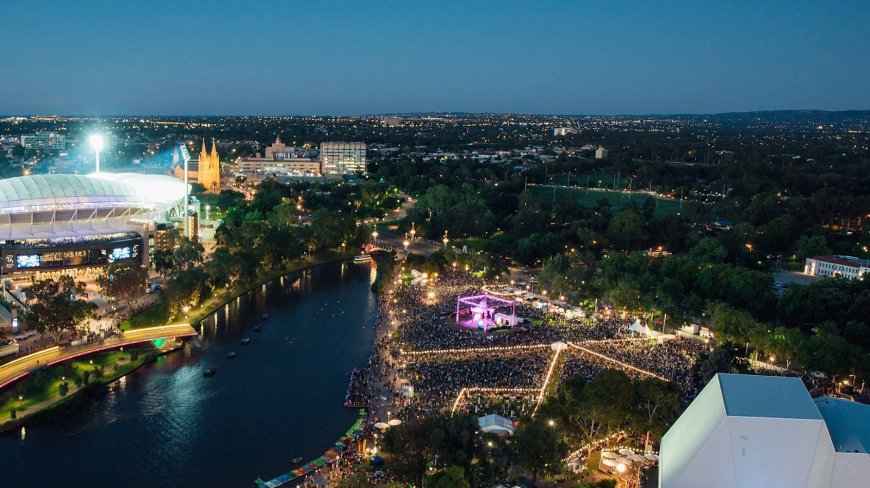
<point x="231" y="355"/>
<point x="296" y="460"/>
<point x="209" y="372"/>
<point x="246" y="341"/>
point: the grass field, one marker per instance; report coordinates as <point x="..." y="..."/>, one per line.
<point x="44" y="384"/>
<point x="590" y="198"/>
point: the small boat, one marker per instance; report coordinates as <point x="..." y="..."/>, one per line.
<point x="257" y="328"/>
<point x="264" y="316"/>
<point x="209" y="372"/>
<point x="246" y="341"/>
<point x="231" y="355"/>
<point x="362" y="258"/>
<point x="296" y="460"/>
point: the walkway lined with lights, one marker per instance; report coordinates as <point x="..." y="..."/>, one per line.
<point x="18" y="368"/>
<point x="617" y="362"/>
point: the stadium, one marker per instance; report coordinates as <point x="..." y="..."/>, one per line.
<point x="59" y="222"/>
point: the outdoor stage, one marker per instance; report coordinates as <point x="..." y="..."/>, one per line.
<point x="485" y="312"/>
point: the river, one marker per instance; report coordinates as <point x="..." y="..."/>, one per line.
<point x="167" y="425"/>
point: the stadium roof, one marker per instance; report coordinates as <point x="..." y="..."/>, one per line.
<point x="52" y="191"/>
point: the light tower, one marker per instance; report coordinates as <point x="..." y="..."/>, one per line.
<point x="96" y="142"/>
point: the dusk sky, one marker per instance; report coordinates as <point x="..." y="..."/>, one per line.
<point x="360" y="57"/>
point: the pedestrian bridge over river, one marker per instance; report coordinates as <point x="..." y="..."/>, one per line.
<point x="21" y="367"/>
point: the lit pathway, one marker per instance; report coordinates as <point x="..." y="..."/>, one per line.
<point x="20" y="367"/>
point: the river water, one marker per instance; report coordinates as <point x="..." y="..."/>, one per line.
<point x="167" y="425"/>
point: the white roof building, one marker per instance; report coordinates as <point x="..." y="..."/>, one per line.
<point x="754" y="431"/>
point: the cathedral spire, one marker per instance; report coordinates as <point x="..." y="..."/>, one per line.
<point x="203" y="154"/>
<point x="214" y="153"/>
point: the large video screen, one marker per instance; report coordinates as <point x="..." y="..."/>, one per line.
<point x="120" y="253"/>
<point x="27" y="260"/>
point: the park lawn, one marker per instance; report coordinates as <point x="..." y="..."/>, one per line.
<point x="37" y="390"/>
<point x="156" y="315"/>
<point x="616" y="198"/>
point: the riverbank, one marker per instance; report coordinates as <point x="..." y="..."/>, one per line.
<point x="213" y="304"/>
<point x="51" y="404"/>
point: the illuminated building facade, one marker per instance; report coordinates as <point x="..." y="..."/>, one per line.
<point x="343" y="157"/>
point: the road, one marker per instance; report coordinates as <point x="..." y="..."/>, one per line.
<point x="20" y="367"/>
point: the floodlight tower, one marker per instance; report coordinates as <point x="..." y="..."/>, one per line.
<point x="96" y="141"/>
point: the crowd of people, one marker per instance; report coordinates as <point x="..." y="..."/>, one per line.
<point x="439" y="382"/>
<point x="674" y="360"/>
<point x="423" y="358"/>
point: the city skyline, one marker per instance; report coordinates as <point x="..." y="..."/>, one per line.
<point x="271" y="58"/>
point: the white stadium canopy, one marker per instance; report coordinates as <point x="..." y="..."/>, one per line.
<point x="40" y="206"/>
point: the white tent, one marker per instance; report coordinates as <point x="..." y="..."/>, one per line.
<point x="746" y="430"/>
<point x="496" y="424"/>
<point x="637" y="328"/>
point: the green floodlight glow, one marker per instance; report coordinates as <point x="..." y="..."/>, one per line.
<point x="158" y="343"/>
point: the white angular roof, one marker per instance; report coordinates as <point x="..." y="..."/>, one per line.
<point x="746" y="430"/>
<point x="44" y="192"/>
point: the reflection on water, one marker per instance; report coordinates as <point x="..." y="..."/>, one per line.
<point x="167" y="425"/>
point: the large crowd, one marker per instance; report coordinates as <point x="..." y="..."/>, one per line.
<point x="439" y="357"/>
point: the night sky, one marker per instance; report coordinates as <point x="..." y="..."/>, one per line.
<point x="357" y="57"/>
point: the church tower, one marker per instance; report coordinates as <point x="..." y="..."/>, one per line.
<point x="209" y="171"/>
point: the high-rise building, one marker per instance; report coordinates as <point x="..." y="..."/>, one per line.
<point x="44" y="140"/>
<point x="601" y="153"/>
<point x="343" y="157"/>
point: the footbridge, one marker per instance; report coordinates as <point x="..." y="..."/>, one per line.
<point x="21" y="367"/>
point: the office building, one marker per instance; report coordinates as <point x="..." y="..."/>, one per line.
<point x="836" y="266"/>
<point x="44" y="140"/>
<point x="600" y="153"/>
<point x="343" y="157"/>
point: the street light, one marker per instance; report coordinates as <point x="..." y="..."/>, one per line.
<point x="406" y="243"/>
<point x="96" y="142"/>
<point x="375" y="235"/>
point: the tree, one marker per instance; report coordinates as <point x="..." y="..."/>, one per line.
<point x="784" y="342"/>
<point x="626" y="228"/>
<point x="737" y="326"/>
<point x="811" y="245"/>
<point x="452" y="477"/>
<point x="63" y="388"/>
<point x="708" y="250"/>
<point x="124" y="281"/>
<point x="718" y="361"/>
<point x="658" y="405"/>
<point x="186" y="254"/>
<point x="55" y="307"/>
<point x="416" y="443"/>
<point x="539" y="448"/>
